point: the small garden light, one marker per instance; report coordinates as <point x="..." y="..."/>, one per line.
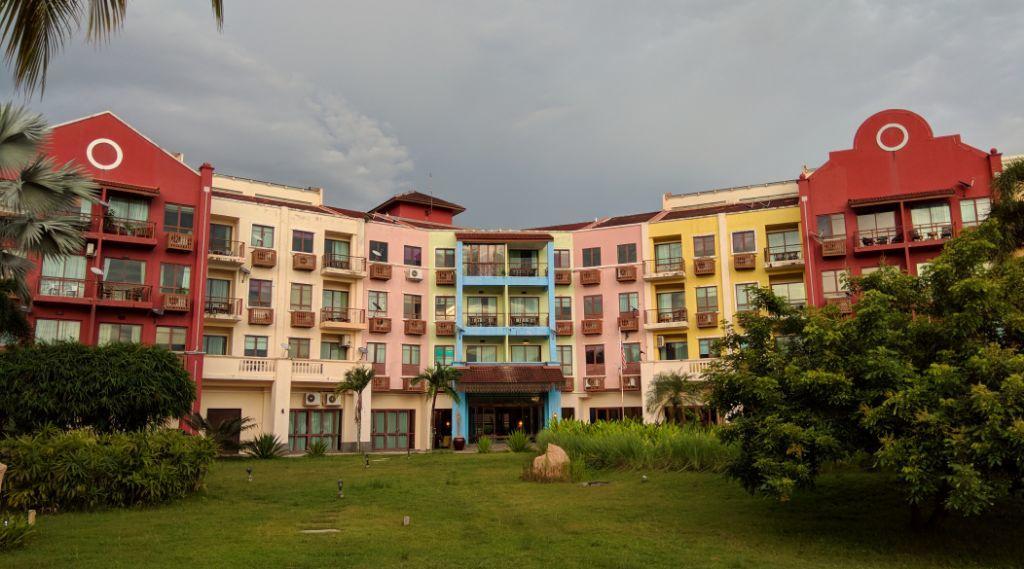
<point x="249" y="472"/>
<point x="341" y="488"/>
<point x="366" y="460"/>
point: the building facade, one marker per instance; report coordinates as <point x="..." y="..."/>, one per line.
<point x="278" y="295"/>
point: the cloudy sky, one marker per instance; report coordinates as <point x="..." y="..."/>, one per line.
<point x="532" y="113"/>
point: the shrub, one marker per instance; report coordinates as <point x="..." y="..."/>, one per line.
<point x="224" y="433"/>
<point x="265" y="446"/>
<point x="77" y="470"/>
<point x="117" y="387"/>
<point x="518" y="441"/>
<point x="317" y="449"/>
<point x="634" y="445"/>
<point x="13" y="532"/>
<point x="483" y="444"/>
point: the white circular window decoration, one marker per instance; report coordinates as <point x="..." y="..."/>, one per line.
<point x="117" y="152"/>
<point x="897" y="126"/>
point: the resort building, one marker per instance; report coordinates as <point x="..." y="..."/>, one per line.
<point x="271" y="295"/>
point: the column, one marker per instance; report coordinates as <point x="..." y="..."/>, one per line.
<point x="552" y="405"/>
<point x="460" y="417"/>
<point x="281" y="399"/>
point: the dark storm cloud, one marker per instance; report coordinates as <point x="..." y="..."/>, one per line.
<point x="543" y="112"/>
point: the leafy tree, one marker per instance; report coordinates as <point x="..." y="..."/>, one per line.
<point x="117" y="387"/>
<point x="927" y="377"/>
<point x="440" y="379"/>
<point x="672" y="392"/>
<point x="356" y="380"/>
<point x="34" y="31"/>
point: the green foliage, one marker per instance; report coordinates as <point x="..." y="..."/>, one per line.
<point x="440" y="380"/>
<point x="671" y="393"/>
<point x="483" y="444"/>
<point x="265" y="446"/>
<point x="356" y="380"/>
<point x="518" y="441"/>
<point x="13" y="532"/>
<point x="317" y="449"/>
<point x="225" y="433"/>
<point x="117" y="387"/>
<point x="638" y="446"/>
<point x="80" y="470"/>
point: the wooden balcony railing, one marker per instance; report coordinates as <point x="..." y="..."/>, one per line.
<point x="226" y="248"/>
<point x="629" y="322"/>
<point x="569" y="382"/>
<point x="409" y="371"/>
<point x="563" y="327"/>
<point x="563" y="276"/>
<point x="177" y="301"/>
<point x="527" y="320"/>
<point x="261" y="316"/>
<point x="664" y="267"/>
<point x="444" y="277"/>
<point x="303" y="319"/>
<point x="703" y="266"/>
<point x="303" y="261"/>
<point x="666" y="315"/>
<point x="484" y="319"/>
<point x="266" y="258"/>
<point x="707" y="319"/>
<point x="380" y="271"/>
<point x="590" y="277"/>
<point x="744" y="261"/>
<point x="527" y="269"/>
<point x="343" y="315"/>
<point x="177" y="241"/>
<point x="843" y="303"/>
<point x="631" y="382"/>
<point x="591" y="326"/>
<point x="379" y="325"/>
<point x="625" y="273"/>
<point x="126" y="292"/>
<point x="931" y="232"/>
<point x="220" y="306"/>
<point x="381" y="382"/>
<point x="415" y="327"/>
<point x="344" y="262"/>
<point x="445" y="328"/>
<point x="878" y="237"/>
<point x="128" y="227"/>
<point x="833" y="246"/>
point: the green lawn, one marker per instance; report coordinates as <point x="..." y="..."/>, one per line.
<point x="473" y="511"/>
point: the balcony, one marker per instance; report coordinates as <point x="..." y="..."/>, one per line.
<point x="379" y="324"/>
<point x="303" y="262"/>
<point x="410" y="371"/>
<point x="842" y="302"/>
<point x="591" y="326"/>
<point x="444" y="328"/>
<point x="178" y="301"/>
<point x="415" y="327"/>
<point x="484" y="319"/>
<point x="673" y="268"/>
<point x="704" y="266"/>
<point x="223" y="309"/>
<point x="563" y="276"/>
<point x="129" y="231"/>
<point x="381" y="383"/>
<point x="568" y="384"/>
<point x="444" y="277"/>
<point x="563" y="327"/>
<point x="380" y="271"/>
<point x="877" y="239"/>
<point x="230" y="253"/>
<point x="625" y="273"/>
<point x="665" y="318"/>
<point x="744" y="261"/>
<point x="594" y="383"/>
<point x="239" y="368"/>
<point x="631" y="382"/>
<point x="483" y="269"/>
<point x="527" y="269"/>
<point x="303" y="318"/>
<point x="934" y="233"/>
<point x="266" y="258"/>
<point x="590" y="277"/>
<point x="261" y="316"/>
<point x="694" y="368"/>
<point x="629" y="322"/>
<point x="65" y="291"/>
<point x="129" y="295"/>
<point x="342" y="318"/>
<point x="180" y="242"/>
<point x="834" y="246"/>
<point x="527" y="320"/>
<point x="707" y="319"/>
<point x="343" y="266"/>
<point x="783" y="259"/>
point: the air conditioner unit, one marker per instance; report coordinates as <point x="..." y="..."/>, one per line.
<point x="661" y="341"/>
<point x="632" y="382"/>
<point x="414" y="274"/>
<point x="90" y="249"/>
<point x="332" y="399"/>
<point x="593" y="382"/>
<point x="312" y="399"/>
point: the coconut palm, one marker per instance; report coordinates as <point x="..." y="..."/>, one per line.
<point x="356" y="380"/>
<point x="1008" y="208"/>
<point x="671" y="392"/>
<point x="34" y="31"/>
<point x="224" y="433"/>
<point x="440" y="379"/>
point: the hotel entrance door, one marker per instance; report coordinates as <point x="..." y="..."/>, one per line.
<point x="498" y="416"/>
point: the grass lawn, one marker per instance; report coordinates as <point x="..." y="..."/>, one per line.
<point x="472" y="510"/>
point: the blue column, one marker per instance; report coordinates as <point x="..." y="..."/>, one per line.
<point x="551" y="301"/>
<point x="459" y="278"/>
<point x="460" y="418"/>
<point x="553" y="405"/>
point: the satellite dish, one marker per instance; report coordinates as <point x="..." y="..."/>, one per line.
<point x="96" y="271"/>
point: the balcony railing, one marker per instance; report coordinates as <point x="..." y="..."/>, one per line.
<point x="410" y="371"/>
<point x="415" y="326"/>
<point x="128" y="227"/>
<point x="665" y="268"/>
<point x="483" y="269"/>
<point x="595" y="369"/>
<point x="563" y="327"/>
<point x="590" y="277"/>
<point x="569" y="383"/>
<point x="703" y="266"/>
<point x="840" y="301"/>
<point x="563" y="276"/>
<point x="594" y="383"/>
<point x="58" y="286"/>
<point x="380" y="271"/>
<point x="666" y="315"/>
<point x="591" y="326"/>
<point x="266" y="258"/>
<point x="306" y="367"/>
<point x="342" y="315"/>
<point x="629" y="322"/>
<point x="444" y="277"/>
<point x="526" y="319"/>
<point x="227" y="248"/>
<point x="931" y="232"/>
<point x="625" y="273"/>
<point x="783" y="257"/>
<point x="222" y="306"/>
<point x="180" y="241"/>
<point x="344" y="262"/>
<point x="444" y="328"/>
<point x="124" y="292"/>
<point x="631" y="369"/>
<point x="303" y="261"/>
<point x="744" y="261"/>
<point x="379" y="324"/>
<point x="176" y="301"/>
<point x="380" y="381"/>
<point x="261" y="316"/>
<point x="527" y="269"/>
<point x="877" y="237"/>
<point x="484" y="319"/>
<point x="707" y="319"/>
<point x="303" y="319"/>
<point x="834" y="246"/>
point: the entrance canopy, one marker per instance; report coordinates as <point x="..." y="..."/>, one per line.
<point x="524" y="379"/>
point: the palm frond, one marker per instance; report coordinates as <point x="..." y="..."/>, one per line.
<point x="21" y="132"/>
<point x="105" y="18"/>
<point x="440" y="379"/>
<point x="356" y="380"/>
<point x="35" y="31"/>
<point x="43" y="188"/>
<point x="13" y="320"/>
<point x="45" y="238"/>
<point x="218" y="12"/>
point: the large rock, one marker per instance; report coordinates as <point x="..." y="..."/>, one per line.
<point x="552" y="465"/>
<point x="3" y="470"/>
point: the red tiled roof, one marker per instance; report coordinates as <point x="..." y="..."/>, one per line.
<point x="421" y="199"/>
<point x="511" y="374"/>
<point x="730" y="208"/>
<point x="902" y="197"/>
<point x="501" y="236"/>
<point x="627" y="219"/>
<point x="349" y="212"/>
<point x="563" y="227"/>
<point x="148" y="190"/>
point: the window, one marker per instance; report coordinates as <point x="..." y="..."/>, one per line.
<point x="931" y="222"/>
<point x="628" y="303"/>
<point x="260" y="293"/>
<point x="301" y="297"/>
<point x="707" y="298"/>
<point x="615" y="413"/>
<point x="973" y="212"/>
<point x="178" y="218"/>
<point x="832" y="225"/>
<point x="412" y="307"/>
<point x="413" y="256"/>
<point x="308" y="425"/>
<point x="334" y="347"/>
<point x="631" y="352"/>
<point x="784" y="245"/>
<point x="124" y="271"/>
<point x="744" y="297"/>
<point x="171" y="337"/>
<point x="444" y="308"/>
<point x="337" y="253"/>
<point x="484" y="260"/>
<point x="592" y="307"/>
<point x="444" y="258"/>
<point x="528" y="305"/>
<point x="336" y="300"/>
<point x="174" y="279"/>
<point x="302" y="241"/>
<point x="298" y="348"/>
<point x="378" y="252"/>
<point x="214" y="345"/>
<point x="378" y="304"/>
<point x="255" y="346"/>
<point x="592" y="257"/>
<point x="673" y="350"/>
<point x="444" y="355"/>
<point x="704" y="246"/>
<point x="626" y="253"/>
<point x="744" y="242"/>
<point x="486" y="354"/>
<point x="523" y="262"/>
<point x="877" y="228"/>
<point x="833" y="283"/>
<point x="792" y="292"/>
<point x="126" y="333"/>
<point x="565" y="359"/>
<point x="563" y="259"/>
<point x="121" y="207"/>
<point x="220" y="239"/>
<point x="262" y="236"/>
<point x="63" y="276"/>
<point x="481" y="305"/>
<point x="668" y="257"/>
<point x="410" y="354"/>
<point x="526" y="354"/>
<point x="377" y="352"/>
<point x="563" y="308"/>
<point x="57" y="330"/>
<point x="707" y="348"/>
<point x="595" y="354"/>
<point x="393" y="430"/>
<point x="671" y="306"/>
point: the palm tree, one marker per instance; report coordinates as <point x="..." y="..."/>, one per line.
<point x="356" y="380"/>
<point x="225" y="433"/>
<point x="672" y="392"/>
<point x="34" y="31"/>
<point x="37" y="198"/>
<point x="440" y="379"/>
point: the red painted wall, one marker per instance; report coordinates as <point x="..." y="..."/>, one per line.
<point x="421" y="212"/>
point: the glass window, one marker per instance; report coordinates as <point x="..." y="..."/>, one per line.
<point x="444" y="308"/>
<point x="255" y="346"/>
<point x="744" y="297"/>
<point x="410" y="354"/>
<point x="707" y="348"/>
<point x="63" y="276"/>
<point x="626" y="253"/>
<point x="261" y="293"/>
<point x="481" y="260"/>
<point x="298" y="348"/>
<point x="793" y="292"/>
<point x="833" y="283"/>
<point x="673" y="350"/>
<point x="628" y="303"/>
<point x="308" y="425"/>
<point x="124" y="271"/>
<point x="931" y="222"/>
<point x="563" y="308"/>
<point x="707" y="298"/>
<point x="392" y="430"/>
<point x="262" y="236"/>
<point x="215" y="345"/>
<point x="669" y="302"/>
<point x="377" y="352"/>
<point x="744" y="242"/>
<point x="171" y="337"/>
<point x="178" y="218"/>
<point x="563" y="259"/>
<point x="57" y="330"/>
<point x="485" y="354"/>
<point x="565" y="359"/>
<point x="481" y="305"/>
<point x="335" y="299"/>
<point x="444" y="258"/>
<point x="334" y="347"/>
<point x="412" y="307"/>
<point x="832" y="225"/>
<point x="174" y="279"/>
<point x="973" y="212"/>
<point x="378" y="252"/>
<point x="336" y="253"/>
<point x="444" y="355"/>
<point x="413" y="256"/>
<point x="524" y="305"/>
<point x="592" y="306"/>
<point x="595" y="354"/>
<point x="220" y="239"/>
<point x="592" y="257"/>
<point x="378" y="304"/>
<point x="667" y="255"/>
<point x="122" y="207"/>
<point x="523" y="262"/>
<point x="631" y="352"/>
<point x="127" y="333"/>
<point x="302" y="241"/>
<point x="525" y="354"/>
<point x="704" y="246"/>
<point x="784" y="245"/>
<point x="301" y="297"/>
